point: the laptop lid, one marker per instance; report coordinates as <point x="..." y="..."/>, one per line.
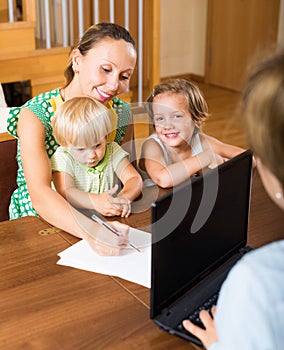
<point x="196" y="227"/>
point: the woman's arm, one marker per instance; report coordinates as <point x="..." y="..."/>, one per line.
<point x="48" y="203"/>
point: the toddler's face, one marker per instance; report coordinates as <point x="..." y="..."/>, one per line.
<point x="89" y="156"/>
<point x="172" y="120"/>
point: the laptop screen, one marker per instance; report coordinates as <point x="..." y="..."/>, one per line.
<point x="196" y="227"/>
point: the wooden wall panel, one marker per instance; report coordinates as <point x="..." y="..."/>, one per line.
<point x="238" y="33"/>
<point x="16" y="37"/>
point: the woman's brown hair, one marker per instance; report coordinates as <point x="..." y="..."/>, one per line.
<point x="263" y="109"/>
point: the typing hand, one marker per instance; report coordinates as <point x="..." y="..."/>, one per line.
<point x="208" y="336"/>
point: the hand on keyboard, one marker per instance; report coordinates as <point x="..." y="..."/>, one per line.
<point x="208" y="334"/>
<point x="208" y="305"/>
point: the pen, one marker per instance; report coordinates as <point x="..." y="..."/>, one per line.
<point x="103" y="223"/>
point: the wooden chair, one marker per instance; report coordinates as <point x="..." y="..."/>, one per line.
<point x="128" y="143"/>
<point x="8" y="163"/>
<point x="8" y="172"/>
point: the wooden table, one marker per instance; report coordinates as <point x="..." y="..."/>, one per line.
<point x="48" y="306"/>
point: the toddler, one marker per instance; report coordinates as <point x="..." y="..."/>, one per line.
<point x="86" y="169"/>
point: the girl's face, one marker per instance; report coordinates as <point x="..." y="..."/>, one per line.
<point x="105" y="70"/>
<point x="89" y="156"/>
<point x="172" y="120"/>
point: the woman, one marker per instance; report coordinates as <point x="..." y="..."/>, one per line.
<point x="250" y="309"/>
<point x="100" y="66"/>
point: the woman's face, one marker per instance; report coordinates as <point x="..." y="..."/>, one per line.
<point x="172" y="120"/>
<point x="105" y="71"/>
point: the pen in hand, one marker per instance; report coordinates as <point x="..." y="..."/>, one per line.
<point x="106" y="225"/>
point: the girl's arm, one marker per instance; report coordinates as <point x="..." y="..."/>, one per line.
<point x="48" y="203"/>
<point x="170" y="175"/>
<point x="224" y="150"/>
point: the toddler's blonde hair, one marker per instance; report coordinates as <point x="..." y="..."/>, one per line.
<point x="81" y="122"/>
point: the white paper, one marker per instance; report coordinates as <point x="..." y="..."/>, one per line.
<point x="131" y="265"/>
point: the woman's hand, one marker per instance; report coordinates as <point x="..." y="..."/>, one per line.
<point x="105" y="242"/>
<point x="208" y="336"/>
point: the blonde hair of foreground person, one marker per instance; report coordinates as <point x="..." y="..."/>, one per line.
<point x="263" y="107"/>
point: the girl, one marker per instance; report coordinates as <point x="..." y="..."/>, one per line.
<point x="178" y="149"/>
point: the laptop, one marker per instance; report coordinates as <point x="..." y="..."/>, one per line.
<point x="199" y="231"/>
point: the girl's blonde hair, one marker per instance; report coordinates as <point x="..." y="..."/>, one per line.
<point x="263" y="109"/>
<point x="197" y="105"/>
<point x="81" y="122"/>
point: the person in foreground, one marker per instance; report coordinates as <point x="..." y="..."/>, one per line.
<point x="250" y="308"/>
<point x="100" y="66"/>
<point x="86" y="168"/>
<point x="178" y="149"/>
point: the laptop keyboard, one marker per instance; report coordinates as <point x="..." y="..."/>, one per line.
<point x="194" y="316"/>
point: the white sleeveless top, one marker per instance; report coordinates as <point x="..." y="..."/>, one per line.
<point x="195" y="144"/>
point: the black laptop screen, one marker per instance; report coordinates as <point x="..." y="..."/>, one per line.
<point x="197" y="226"/>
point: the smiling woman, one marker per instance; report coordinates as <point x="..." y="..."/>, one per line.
<point x="100" y="66"/>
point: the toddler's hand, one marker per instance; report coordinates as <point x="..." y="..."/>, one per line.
<point x="120" y="202"/>
<point x="124" y="204"/>
<point x="104" y="203"/>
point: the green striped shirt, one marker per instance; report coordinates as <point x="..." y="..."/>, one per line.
<point x="97" y="179"/>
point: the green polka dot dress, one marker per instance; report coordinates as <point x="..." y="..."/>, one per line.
<point x="44" y="106"/>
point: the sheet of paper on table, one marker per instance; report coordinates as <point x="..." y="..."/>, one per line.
<point x="132" y="265"/>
